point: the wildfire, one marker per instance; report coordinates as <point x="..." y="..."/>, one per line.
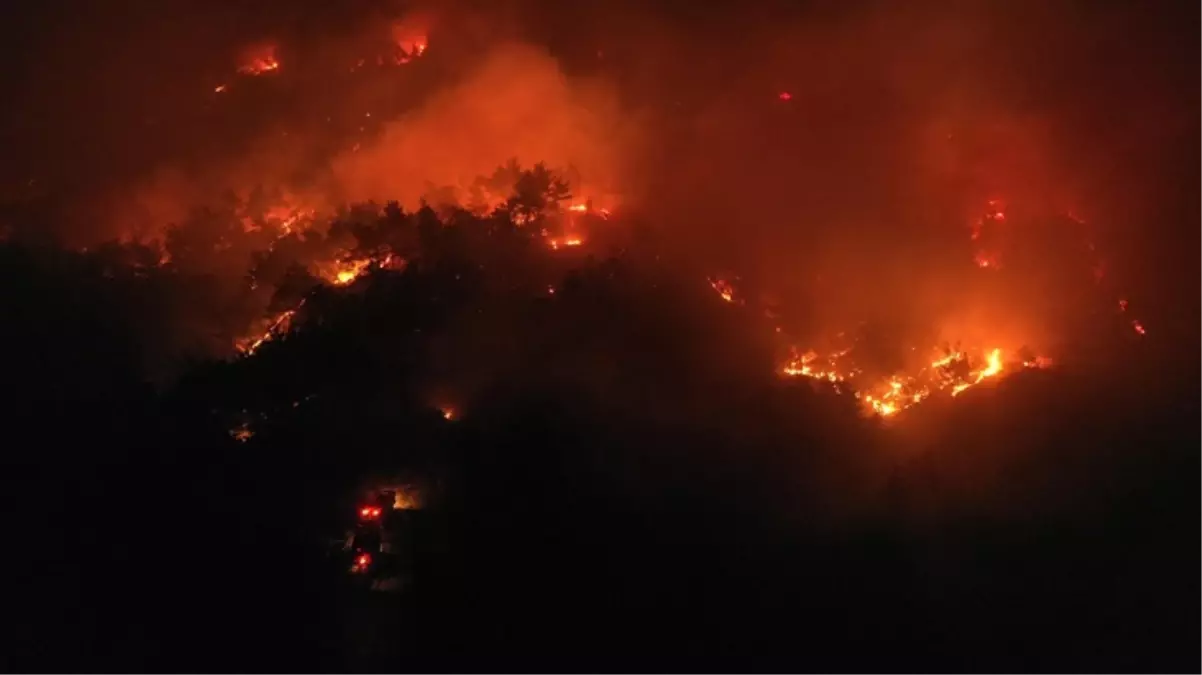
<point x="569" y="241"/>
<point x="411" y="45"/>
<point x="406" y="500"/>
<point x="985" y="261"/>
<point x="948" y="370"/>
<point x="724" y="289"/>
<point x="242" y="433"/>
<point x="277" y="325"/>
<point x="338" y="274"/>
<point x="953" y="371"/>
<point x="809" y="365"/>
<point x="346" y="272"/>
<point x="285" y="217"/>
<point x="259" y="59"/>
<point x="1136" y="324"/>
<point x="410" y="38"/>
<point x="588" y="207"/>
<point x="985" y="229"/>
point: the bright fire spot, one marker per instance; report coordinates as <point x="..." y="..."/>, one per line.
<point x="219" y="88"/>
<point x="242" y="433"/>
<point x="993" y="366"/>
<point x="1139" y="328"/>
<point x="348" y="274"/>
<point x="985" y="262"/>
<point x="588" y="207"/>
<point x="555" y="243"/>
<point x="785" y="96"/>
<point x="724" y="289"/>
<point x="406" y="500"/>
<point x="343" y="273"/>
<point x="411" y="41"/>
<point x="448" y="413"/>
<point x="259" y="59"/>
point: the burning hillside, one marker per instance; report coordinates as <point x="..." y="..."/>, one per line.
<point x="902" y="375"/>
<point x="341" y="122"/>
<point x="886" y="378"/>
<point x="634" y="317"/>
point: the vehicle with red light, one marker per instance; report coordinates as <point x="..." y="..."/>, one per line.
<point x="376" y="552"/>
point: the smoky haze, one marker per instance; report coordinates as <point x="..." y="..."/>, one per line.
<point x="837" y="153"/>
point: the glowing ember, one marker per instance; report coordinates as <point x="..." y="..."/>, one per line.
<point x="985" y="262"/>
<point x="219" y="88"/>
<point x="448" y="413"/>
<point x="785" y="96"/>
<point x="242" y="433"/>
<point x="724" y="289"/>
<point x="406" y="500"/>
<point x="983" y="230"/>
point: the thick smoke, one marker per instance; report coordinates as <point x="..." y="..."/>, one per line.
<point x="838" y="156"/>
<point x="516" y="104"/>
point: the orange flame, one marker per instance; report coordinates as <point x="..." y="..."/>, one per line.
<point x="901" y="391"/>
<point x="724" y="289"/>
<point x="278" y="325"/>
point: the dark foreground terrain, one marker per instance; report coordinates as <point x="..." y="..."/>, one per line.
<point x="1049" y="523"/>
